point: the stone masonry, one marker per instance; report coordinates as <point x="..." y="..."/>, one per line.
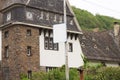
<point x="18" y="61"/>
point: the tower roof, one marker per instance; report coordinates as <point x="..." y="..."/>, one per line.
<point x="51" y="5"/>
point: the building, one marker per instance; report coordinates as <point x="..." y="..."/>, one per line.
<point x="27" y="38"/>
<point x="26" y="31"/>
<point x="102" y="46"/>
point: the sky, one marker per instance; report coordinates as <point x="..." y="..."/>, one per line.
<point x="102" y="7"/>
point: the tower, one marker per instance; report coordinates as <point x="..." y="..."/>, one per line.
<point x="27" y="34"/>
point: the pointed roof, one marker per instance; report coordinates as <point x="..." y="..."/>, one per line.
<point x="51" y="5"/>
<point x="55" y="6"/>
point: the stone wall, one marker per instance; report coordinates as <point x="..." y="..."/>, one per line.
<point x="0" y="13"/>
<point x="18" y="61"/>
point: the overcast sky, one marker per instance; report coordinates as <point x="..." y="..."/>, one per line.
<point x="103" y="7"/>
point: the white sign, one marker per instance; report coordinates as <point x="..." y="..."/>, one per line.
<point x="59" y="33"/>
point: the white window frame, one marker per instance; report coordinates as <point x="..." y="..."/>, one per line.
<point x="9" y="15"/>
<point x="29" y="15"/>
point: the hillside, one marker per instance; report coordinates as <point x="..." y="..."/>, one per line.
<point x="88" y="21"/>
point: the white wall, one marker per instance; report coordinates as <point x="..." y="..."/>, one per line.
<point x="53" y="58"/>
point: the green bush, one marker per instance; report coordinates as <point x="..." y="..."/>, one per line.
<point x="91" y="73"/>
<point x="56" y="74"/>
<point x="109" y="73"/>
<point x="23" y="77"/>
<point x="40" y="76"/>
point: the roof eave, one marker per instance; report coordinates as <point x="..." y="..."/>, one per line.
<point x="33" y="25"/>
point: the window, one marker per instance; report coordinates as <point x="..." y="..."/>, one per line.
<point x="47" y="16"/>
<point x="29" y="74"/>
<point x="83" y="45"/>
<point x="55" y="46"/>
<point x="95" y="46"/>
<point x="60" y="20"/>
<point x="71" y="22"/>
<point x="8" y="16"/>
<point x="50" y="3"/>
<point x="107" y="48"/>
<point x="6" y="34"/>
<point x="48" y="43"/>
<point x="6" y="73"/>
<point x="29" y="51"/>
<point x="41" y="15"/>
<point x="6" y="52"/>
<point x="55" y="18"/>
<point x="83" y="37"/>
<point x="70" y="46"/>
<point x="50" y="69"/>
<point x="93" y="39"/>
<point x="29" y="32"/>
<point x="29" y="15"/>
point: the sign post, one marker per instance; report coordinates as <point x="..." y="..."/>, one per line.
<point x="60" y="35"/>
<point x="66" y="53"/>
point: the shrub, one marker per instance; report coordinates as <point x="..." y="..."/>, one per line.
<point x="108" y="73"/>
<point x="91" y="73"/>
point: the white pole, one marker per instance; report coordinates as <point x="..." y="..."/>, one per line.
<point x="66" y="53"/>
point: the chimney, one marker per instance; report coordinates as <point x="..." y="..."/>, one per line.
<point x="116" y="28"/>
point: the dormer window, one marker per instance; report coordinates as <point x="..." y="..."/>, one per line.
<point x="82" y="44"/>
<point x="6" y="51"/>
<point x="41" y="15"/>
<point x="107" y="48"/>
<point x="9" y="16"/>
<point x="50" y="3"/>
<point x="71" y="22"/>
<point x="47" y="16"/>
<point x="83" y="37"/>
<point x="29" y="15"/>
<point x="93" y="39"/>
<point x="60" y="19"/>
<point x="55" y="18"/>
<point x="95" y="46"/>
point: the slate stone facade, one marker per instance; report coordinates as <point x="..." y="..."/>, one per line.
<point x="18" y="61"/>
